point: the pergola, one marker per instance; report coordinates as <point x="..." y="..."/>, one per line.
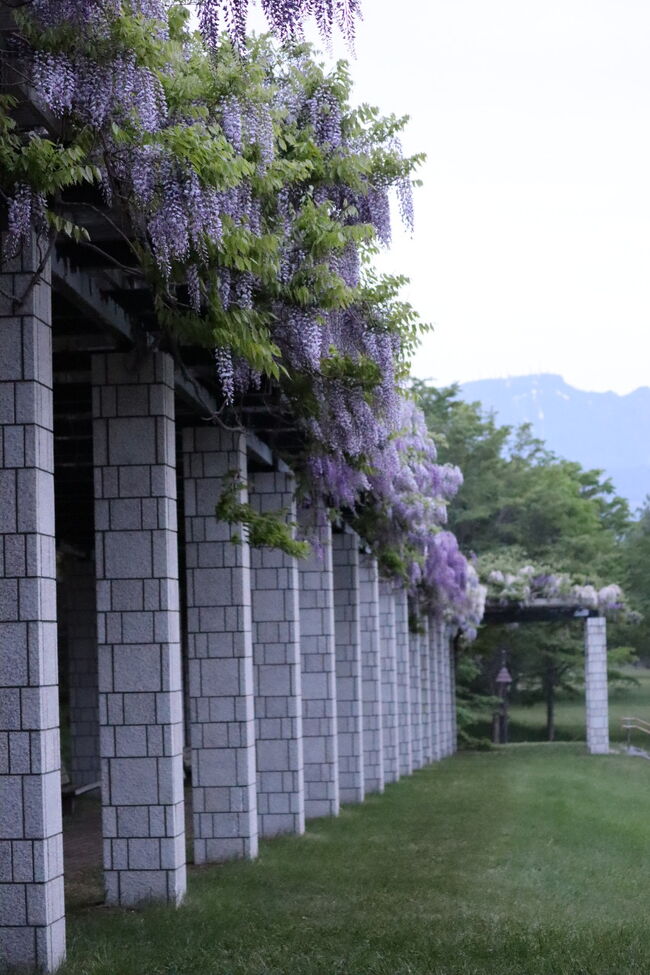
<point x="556" y="611"/>
<point x="293" y="686"/>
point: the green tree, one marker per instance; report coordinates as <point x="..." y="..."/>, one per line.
<point x="635" y="552"/>
<point x="521" y="500"/>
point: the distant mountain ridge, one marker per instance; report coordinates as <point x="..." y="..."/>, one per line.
<point x="602" y="430"/>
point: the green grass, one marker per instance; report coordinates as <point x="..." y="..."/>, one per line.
<point x="532" y="859"/>
<point x="529" y="723"/>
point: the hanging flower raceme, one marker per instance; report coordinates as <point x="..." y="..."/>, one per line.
<point x="403" y="513"/>
<point x="285" y="18"/>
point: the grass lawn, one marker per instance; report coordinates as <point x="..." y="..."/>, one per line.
<point x="528" y="859"/>
<point x="529" y="723"/>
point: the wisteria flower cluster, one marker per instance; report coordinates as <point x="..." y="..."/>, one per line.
<point x="526" y="584"/>
<point x="404" y="514"/>
<point x="285" y="17"/>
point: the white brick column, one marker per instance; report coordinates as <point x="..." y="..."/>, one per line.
<point x="427" y="703"/>
<point x="596" y="685"/>
<point x="438" y="693"/>
<point x="416" y="695"/>
<point x="454" y="709"/>
<point x="403" y="681"/>
<point x="373" y="744"/>
<point x="78" y="616"/>
<point x="389" y="681"/>
<point x="276" y="657"/>
<point x="220" y="652"/>
<point x="32" y="923"/>
<point x="448" y="700"/>
<point x="140" y="695"/>
<point x="349" y="688"/>
<point x="318" y="674"/>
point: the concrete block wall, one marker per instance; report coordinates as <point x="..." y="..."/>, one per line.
<point x="349" y="685"/>
<point x="388" y="645"/>
<point x="403" y="680"/>
<point x="318" y="670"/>
<point x="78" y="613"/>
<point x="220" y="651"/>
<point x="596" y="685"/>
<point x="371" y="669"/>
<point x="276" y="657"/>
<point x="32" y="924"/>
<point x="140" y="695"/>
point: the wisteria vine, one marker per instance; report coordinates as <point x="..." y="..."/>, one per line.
<point x="252" y="198"/>
<point x="521" y="585"/>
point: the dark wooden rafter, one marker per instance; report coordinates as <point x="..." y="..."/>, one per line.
<point x="96" y="305"/>
<point x="538" y="611"/>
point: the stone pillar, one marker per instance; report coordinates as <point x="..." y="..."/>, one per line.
<point x="78" y="610"/>
<point x="446" y="685"/>
<point x="318" y="674"/>
<point x="596" y="685"/>
<point x="276" y="657"/>
<point x="220" y="651"/>
<point x="438" y="693"/>
<point x="446" y="654"/>
<point x="454" y="708"/>
<point x="349" y="688"/>
<point x="140" y="692"/>
<point x="416" y="697"/>
<point x="32" y="922"/>
<point x="403" y="681"/>
<point x="373" y="743"/>
<point x="389" y="681"/>
<point x="426" y="701"/>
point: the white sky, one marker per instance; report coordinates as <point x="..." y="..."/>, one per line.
<point x="532" y="244"/>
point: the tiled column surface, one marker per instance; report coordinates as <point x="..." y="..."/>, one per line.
<point x="276" y="656"/>
<point x="403" y="681"/>
<point x="445" y="642"/>
<point x="220" y="652"/>
<point x="426" y="703"/>
<point x="318" y="676"/>
<point x="596" y="685"/>
<point x="454" y="714"/>
<point x="437" y="677"/>
<point x="349" y="690"/>
<point x="389" y="681"/>
<point x="416" y="699"/>
<point x="78" y="610"/>
<point x="373" y="744"/>
<point x="445" y="687"/>
<point x="32" y="925"/>
<point x="140" y="695"/>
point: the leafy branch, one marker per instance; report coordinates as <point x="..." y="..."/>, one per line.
<point x="269" y="529"/>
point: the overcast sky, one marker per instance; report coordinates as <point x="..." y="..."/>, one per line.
<point x="532" y="245"/>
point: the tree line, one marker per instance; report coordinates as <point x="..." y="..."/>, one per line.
<point x="520" y="502"/>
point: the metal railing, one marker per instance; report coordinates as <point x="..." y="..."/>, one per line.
<point x="630" y="724"/>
